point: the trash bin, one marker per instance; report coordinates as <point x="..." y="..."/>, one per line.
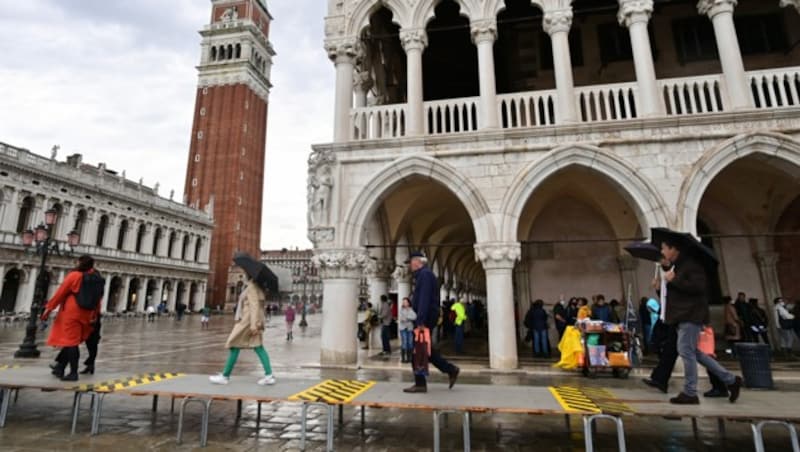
<point x="756" y="369"/>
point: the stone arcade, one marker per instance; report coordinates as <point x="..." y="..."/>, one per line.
<point x="522" y="143"/>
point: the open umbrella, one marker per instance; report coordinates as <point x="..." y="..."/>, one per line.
<point x="685" y="242"/>
<point x="644" y="250"/>
<point x="256" y="270"/>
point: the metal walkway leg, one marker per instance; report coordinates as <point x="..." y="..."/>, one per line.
<point x="203" y="426"/>
<point x="465" y="429"/>
<point x="758" y="436"/>
<point x="5" y="398"/>
<point x="589" y="422"/>
<point x="330" y="432"/>
<point x="97" y="412"/>
<point x="303" y="422"/>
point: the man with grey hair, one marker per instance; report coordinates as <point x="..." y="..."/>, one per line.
<point x="425" y="302"/>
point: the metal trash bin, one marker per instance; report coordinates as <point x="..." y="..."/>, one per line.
<point x="755" y="362"/>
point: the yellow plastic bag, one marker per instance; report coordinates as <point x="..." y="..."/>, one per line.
<point x="570" y="348"/>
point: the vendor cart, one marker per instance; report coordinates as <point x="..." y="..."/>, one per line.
<point x="606" y="346"/>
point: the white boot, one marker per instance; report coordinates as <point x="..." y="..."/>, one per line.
<point x="218" y="379"/>
<point x="267" y="380"/>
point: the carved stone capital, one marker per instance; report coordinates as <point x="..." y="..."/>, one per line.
<point x="362" y="81"/>
<point x="767" y="259"/>
<point x="498" y="255"/>
<point x="484" y="30"/>
<point x="343" y="50"/>
<point x="711" y="8"/>
<point x="401" y="273"/>
<point x="341" y="264"/>
<point x="380" y="269"/>
<point x="634" y="11"/>
<point x="795" y="3"/>
<point x="414" y="39"/>
<point x="558" y="20"/>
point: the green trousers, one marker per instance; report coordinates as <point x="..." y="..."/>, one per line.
<point x="234" y="355"/>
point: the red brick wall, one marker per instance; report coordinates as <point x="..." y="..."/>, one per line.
<point x="229" y="175"/>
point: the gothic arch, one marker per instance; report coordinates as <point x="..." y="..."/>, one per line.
<point x="642" y="194"/>
<point x="362" y="12"/>
<point x="425" y="11"/>
<point x="394" y="173"/>
<point x="719" y="157"/>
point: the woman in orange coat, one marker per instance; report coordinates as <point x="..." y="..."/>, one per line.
<point x="73" y="323"/>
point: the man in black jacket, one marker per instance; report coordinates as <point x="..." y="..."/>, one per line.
<point x="425" y="302"/>
<point x="687" y="308"/>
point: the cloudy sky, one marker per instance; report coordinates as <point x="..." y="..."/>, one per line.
<point x="115" y="80"/>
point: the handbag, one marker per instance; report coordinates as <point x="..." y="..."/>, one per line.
<point x="785" y="324"/>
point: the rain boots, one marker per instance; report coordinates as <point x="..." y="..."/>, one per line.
<point x="71" y="357"/>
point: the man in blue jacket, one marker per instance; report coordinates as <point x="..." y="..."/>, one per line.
<point x="425" y="302"/>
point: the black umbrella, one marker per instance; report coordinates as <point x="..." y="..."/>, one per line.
<point x="686" y="243"/>
<point x="256" y="270"/>
<point x="644" y="250"/>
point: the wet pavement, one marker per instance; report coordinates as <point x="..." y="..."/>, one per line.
<point x="41" y="421"/>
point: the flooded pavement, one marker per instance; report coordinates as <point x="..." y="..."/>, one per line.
<point x="41" y="421"/>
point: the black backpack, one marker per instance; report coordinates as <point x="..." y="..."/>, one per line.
<point x="91" y="291"/>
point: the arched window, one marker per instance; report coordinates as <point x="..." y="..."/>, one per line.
<point x="238" y="50"/>
<point x="184" y="247"/>
<point x="197" y="247"/>
<point x="230" y="51"/>
<point x="156" y="240"/>
<point x="59" y="214"/>
<point x="25" y="213"/>
<point x="171" y="245"/>
<point x="213" y="54"/>
<point x="123" y="233"/>
<point x="101" y="230"/>
<point x="222" y="55"/>
<point x="80" y="221"/>
<point x="140" y="237"/>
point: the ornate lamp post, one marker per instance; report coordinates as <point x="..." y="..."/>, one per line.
<point x="303" y="322"/>
<point x="44" y="245"/>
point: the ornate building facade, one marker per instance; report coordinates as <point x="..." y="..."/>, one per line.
<point x="226" y="156"/>
<point x="522" y="143"/>
<point x="149" y="248"/>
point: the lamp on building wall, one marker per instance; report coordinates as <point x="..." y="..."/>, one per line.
<point x="42" y="243"/>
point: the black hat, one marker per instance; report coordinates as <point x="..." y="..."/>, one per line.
<point x="415" y="254"/>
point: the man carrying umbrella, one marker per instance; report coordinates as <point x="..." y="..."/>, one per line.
<point x="687" y="308"/>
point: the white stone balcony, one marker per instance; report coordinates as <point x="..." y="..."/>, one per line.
<point x="697" y="95"/>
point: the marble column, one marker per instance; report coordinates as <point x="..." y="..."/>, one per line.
<point x="172" y="295"/>
<point x="341" y="271"/>
<point x="402" y="277"/>
<point x="343" y="53"/>
<point x="184" y="296"/>
<point x="112" y="233"/>
<point x="628" y="266"/>
<point x="768" y="269"/>
<point x="163" y="244"/>
<point x="89" y="237"/>
<point x="484" y="34"/>
<point x="147" y="240"/>
<point x="106" y="294"/>
<point x="3" y="277"/>
<point x="201" y="297"/>
<point x="11" y="208"/>
<point x="557" y="23"/>
<point x="498" y="259"/>
<point x="27" y="290"/>
<point x="141" y="295"/>
<point x="730" y="56"/>
<point x="157" y="293"/>
<point x="635" y="14"/>
<point x="414" y="42"/>
<point x="361" y="86"/>
<point x="126" y="288"/>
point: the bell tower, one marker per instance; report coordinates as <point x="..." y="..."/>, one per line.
<point x="225" y="172"/>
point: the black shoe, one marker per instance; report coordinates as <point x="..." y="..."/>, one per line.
<point x="716" y="393"/>
<point x="683" y="399"/>
<point x="453" y="376"/>
<point x="73" y="376"/>
<point x="734" y="390"/>
<point x="416" y="389"/>
<point x="654" y="384"/>
<point x="57" y="370"/>
<point x="89" y="370"/>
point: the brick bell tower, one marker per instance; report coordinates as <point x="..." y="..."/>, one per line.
<point x="225" y="172"/>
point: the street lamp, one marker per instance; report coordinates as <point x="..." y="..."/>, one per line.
<point x="44" y="245"/>
<point x="303" y="322"/>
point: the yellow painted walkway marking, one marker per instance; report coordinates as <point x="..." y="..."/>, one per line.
<point x="592" y="400"/>
<point x="124" y="383"/>
<point x="9" y="366"/>
<point x="333" y="391"/>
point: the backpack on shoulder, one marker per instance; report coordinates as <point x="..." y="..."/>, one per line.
<point x="91" y="291"/>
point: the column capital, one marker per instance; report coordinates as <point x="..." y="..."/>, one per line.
<point x="711" y="8"/>
<point x="401" y="273"/>
<point x="343" y="50"/>
<point x="634" y="11"/>
<point x="484" y="30"/>
<point x="362" y="81"/>
<point x="341" y="264"/>
<point x="795" y="3"/>
<point x="498" y="255"/>
<point x="381" y="268"/>
<point x="767" y="258"/>
<point x="557" y="20"/>
<point x="414" y="39"/>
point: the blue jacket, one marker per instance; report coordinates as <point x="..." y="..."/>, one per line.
<point x="425" y="299"/>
